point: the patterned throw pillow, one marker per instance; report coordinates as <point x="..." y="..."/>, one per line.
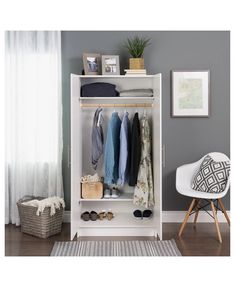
<point x="212" y="176"/>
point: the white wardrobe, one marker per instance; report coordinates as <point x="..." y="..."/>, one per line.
<point x="82" y="112"/>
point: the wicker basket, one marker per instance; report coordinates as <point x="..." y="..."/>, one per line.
<point x="92" y="190"/>
<point x="41" y="226"/>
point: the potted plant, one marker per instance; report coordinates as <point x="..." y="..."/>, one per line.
<point x="135" y="47"/>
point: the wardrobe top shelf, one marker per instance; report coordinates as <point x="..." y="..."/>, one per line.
<point x="116" y="98"/>
<point x="116" y="76"/>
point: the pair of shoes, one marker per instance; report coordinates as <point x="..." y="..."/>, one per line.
<point x="103" y="214"/>
<point x="146" y="214"/>
<point x="111" y="193"/>
<point x="89" y="216"/>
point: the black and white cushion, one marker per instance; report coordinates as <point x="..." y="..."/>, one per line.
<point x="212" y="176"/>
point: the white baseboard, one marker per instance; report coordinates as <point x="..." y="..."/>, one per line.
<point x="178" y="216"/>
<point x="174" y="216"/>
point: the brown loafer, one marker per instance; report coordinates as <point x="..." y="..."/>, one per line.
<point x="109" y="215"/>
<point x="102" y="215"/>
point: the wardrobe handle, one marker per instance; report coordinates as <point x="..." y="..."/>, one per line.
<point x="164" y="156"/>
<point x="68" y="156"/>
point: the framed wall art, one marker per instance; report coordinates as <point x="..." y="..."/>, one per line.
<point x="92" y="63"/>
<point x="110" y="65"/>
<point x="190" y="93"/>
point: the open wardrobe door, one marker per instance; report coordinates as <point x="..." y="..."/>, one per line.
<point x="157" y="150"/>
<point x="76" y="149"/>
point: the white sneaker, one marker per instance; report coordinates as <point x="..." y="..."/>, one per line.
<point x="107" y="193"/>
<point x="115" y="193"/>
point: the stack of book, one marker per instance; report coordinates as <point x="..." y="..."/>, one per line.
<point x="135" y="72"/>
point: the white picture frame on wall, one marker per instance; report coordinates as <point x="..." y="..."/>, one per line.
<point x="190" y="93"/>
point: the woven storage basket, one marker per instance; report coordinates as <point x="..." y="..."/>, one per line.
<point x="136" y="63"/>
<point x="92" y="190"/>
<point x="43" y="225"/>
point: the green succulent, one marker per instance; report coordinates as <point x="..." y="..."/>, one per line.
<point x="136" y="46"/>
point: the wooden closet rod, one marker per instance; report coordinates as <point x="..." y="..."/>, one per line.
<point x="116" y="105"/>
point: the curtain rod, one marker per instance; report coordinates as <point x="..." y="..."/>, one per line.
<point x="116" y="105"/>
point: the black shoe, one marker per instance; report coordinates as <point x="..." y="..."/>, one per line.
<point x="85" y="216"/>
<point x="147" y="214"/>
<point x="137" y="214"/>
<point x="93" y="216"/>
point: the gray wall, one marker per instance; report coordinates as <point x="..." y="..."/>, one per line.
<point x="186" y="139"/>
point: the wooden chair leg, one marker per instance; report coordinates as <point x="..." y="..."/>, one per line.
<point x="187" y="216"/>
<point x="216" y="221"/>
<point x="197" y="212"/>
<point x="224" y="210"/>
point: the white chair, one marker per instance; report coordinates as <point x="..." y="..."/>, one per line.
<point x="184" y="177"/>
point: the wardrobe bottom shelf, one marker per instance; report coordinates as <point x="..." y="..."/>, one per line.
<point x="121" y="220"/>
<point x="123" y="224"/>
<point x="119" y="232"/>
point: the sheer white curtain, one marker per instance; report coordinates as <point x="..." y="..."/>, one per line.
<point x="33" y="117"/>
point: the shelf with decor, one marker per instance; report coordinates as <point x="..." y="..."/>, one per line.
<point x="115" y="98"/>
<point x="114" y="76"/>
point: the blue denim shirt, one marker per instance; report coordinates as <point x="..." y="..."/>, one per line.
<point x="112" y="147"/>
<point x="124" y="150"/>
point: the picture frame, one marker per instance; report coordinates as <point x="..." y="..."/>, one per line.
<point x="190" y="93"/>
<point x="110" y="65"/>
<point x="92" y="63"/>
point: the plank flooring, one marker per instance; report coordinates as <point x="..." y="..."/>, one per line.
<point x="195" y="241"/>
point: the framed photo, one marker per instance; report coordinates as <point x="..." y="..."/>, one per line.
<point x="190" y="93"/>
<point x="91" y="63"/>
<point x="110" y="65"/>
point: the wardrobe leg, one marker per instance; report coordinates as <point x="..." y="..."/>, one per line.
<point x="156" y="235"/>
<point x="216" y="221"/>
<point x="197" y="212"/>
<point x="224" y="210"/>
<point x="187" y="216"/>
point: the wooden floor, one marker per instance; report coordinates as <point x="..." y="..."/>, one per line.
<point x="199" y="241"/>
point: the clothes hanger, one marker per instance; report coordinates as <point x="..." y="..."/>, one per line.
<point x="145" y="113"/>
<point x="99" y="117"/>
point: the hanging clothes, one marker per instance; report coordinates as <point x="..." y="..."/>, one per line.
<point x="124" y="156"/>
<point x="112" y="149"/>
<point x="135" y="150"/>
<point x="97" y="138"/>
<point x="143" y="193"/>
